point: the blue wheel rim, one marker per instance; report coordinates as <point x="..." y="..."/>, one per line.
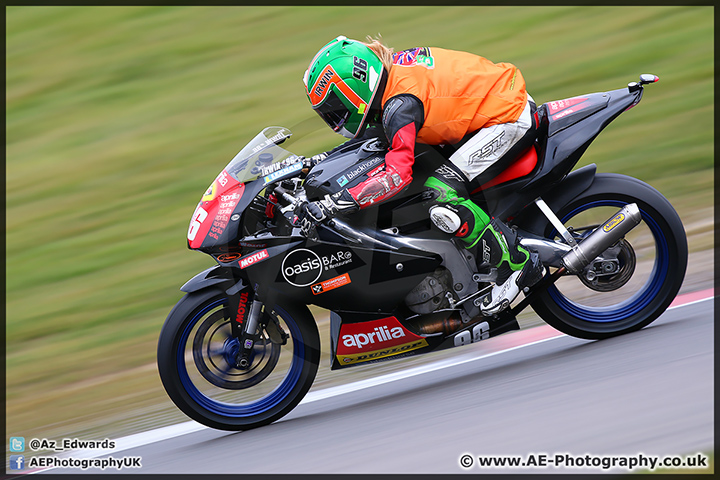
<point x="641" y="299"/>
<point x="258" y="407"/>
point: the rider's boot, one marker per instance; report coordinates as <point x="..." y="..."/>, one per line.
<point x="517" y="266"/>
<point x="498" y="246"/>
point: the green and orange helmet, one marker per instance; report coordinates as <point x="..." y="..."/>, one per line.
<point x="341" y="83"/>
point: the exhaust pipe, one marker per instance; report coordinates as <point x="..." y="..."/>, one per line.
<point x="610" y="232"/>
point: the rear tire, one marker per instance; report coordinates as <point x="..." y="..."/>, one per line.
<point x="607" y="314"/>
<point x="193" y="351"/>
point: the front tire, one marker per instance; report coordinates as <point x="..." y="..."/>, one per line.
<point x="194" y="361"/>
<point x="659" y="241"/>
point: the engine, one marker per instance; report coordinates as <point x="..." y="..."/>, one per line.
<point x="430" y="294"/>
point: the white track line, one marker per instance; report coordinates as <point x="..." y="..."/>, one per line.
<point x="412" y="372"/>
<point x="172" y="431"/>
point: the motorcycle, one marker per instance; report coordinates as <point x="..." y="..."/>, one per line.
<point x="241" y="348"/>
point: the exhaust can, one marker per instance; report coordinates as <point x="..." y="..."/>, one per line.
<point x="603" y="237"/>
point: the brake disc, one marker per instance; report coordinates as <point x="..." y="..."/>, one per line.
<point x="612" y="269"/>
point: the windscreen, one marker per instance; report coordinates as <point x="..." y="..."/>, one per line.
<point x="256" y="158"/>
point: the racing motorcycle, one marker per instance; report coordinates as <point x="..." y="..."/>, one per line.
<point x="241" y="348"/>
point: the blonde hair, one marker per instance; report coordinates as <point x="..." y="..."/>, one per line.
<point x="383" y="52"/>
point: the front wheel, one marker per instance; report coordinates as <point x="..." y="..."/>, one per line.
<point x="196" y="362"/>
<point x="634" y="281"/>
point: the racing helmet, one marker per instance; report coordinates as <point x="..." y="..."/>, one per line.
<point x="342" y="81"/>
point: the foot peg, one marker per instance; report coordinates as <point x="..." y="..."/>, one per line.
<point x="501" y="296"/>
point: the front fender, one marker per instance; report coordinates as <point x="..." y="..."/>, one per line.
<point x="215" y="275"/>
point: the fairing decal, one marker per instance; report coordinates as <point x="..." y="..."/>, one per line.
<point x="213" y="213"/>
<point x="361" y="342"/>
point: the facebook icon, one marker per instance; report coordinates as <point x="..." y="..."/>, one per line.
<point x="17" y="462"/>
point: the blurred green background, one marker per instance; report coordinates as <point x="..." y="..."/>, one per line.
<point x="118" y="118"/>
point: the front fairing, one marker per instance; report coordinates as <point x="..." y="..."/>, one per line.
<point x="214" y="226"/>
<point x="335" y="275"/>
<point x="330" y="272"/>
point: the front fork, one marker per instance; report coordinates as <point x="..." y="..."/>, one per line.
<point x="248" y="321"/>
<point x="249" y="335"/>
<point x="245" y="312"/>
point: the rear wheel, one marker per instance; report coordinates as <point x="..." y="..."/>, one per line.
<point x="197" y="362"/>
<point x="635" y="280"/>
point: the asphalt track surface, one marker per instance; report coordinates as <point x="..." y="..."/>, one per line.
<point x="529" y="392"/>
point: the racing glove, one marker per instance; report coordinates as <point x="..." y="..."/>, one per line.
<point x="310" y="214"/>
<point x="379" y="187"/>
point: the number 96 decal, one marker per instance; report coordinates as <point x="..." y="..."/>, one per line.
<point x="481" y="331"/>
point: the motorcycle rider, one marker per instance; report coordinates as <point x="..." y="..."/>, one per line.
<point x="458" y="100"/>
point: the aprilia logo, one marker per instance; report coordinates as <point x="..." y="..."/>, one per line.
<point x="230" y="198"/>
<point x="254" y="258"/>
<point x="379" y="334"/>
<point x="375" y="339"/>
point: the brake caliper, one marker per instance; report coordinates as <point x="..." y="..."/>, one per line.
<point x="275" y="332"/>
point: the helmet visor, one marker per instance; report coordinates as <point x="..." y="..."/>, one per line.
<point x="333" y="111"/>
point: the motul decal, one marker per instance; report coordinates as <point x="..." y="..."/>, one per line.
<point x="337" y="282"/>
<point x="254" y="258"/>
<point x="359" y="342"/>
<point x="242" y="308"/>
